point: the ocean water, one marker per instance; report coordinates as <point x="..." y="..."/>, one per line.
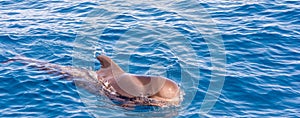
<point x="231" y="58"/>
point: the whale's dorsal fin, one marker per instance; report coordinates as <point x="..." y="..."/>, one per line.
<point x="107" y="62"/>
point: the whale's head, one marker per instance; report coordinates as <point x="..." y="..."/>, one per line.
<point x="130" y="85"/>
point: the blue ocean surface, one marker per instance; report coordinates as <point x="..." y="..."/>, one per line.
<point x="231" y="58"/>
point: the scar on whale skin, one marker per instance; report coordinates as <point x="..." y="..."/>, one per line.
<point x="128" y="89"/>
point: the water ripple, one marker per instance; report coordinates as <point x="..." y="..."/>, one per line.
<point x="261" y="39"/>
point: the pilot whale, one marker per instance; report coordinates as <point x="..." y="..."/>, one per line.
<point x="127" y="89"/>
